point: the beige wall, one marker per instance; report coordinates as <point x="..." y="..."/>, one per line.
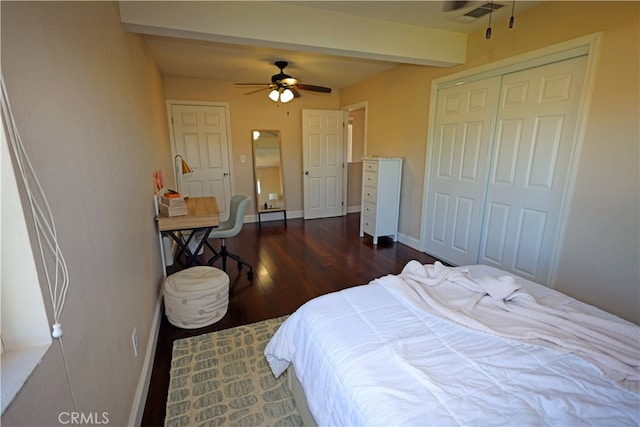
<point x="89" y="104"/>
<point x="599" y="263"/>
<point x="256" y="111"/>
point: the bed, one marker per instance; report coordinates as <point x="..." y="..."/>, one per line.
<point x="472" y="345"/>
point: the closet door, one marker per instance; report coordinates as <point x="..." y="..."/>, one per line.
<point x="535" y="133"/>
<point x="458" y="170"/>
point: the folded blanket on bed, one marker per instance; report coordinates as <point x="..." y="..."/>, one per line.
<point x="501" y="306"/>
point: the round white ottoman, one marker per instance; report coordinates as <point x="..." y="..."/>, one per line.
<point x="196" y="297"/>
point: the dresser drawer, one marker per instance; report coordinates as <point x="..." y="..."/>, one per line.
<point x="370" y="166"/>
<point x="368" y="225"/>
<point x="369" y="209"/>
<point x="370" y="178"/>
<point x="369" y="195"/>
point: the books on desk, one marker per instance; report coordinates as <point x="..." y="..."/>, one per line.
<point x="172" y="206"/>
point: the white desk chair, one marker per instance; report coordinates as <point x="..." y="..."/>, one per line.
<point x="230" y="228"/>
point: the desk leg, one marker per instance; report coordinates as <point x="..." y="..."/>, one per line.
<point x="205" y="236"/>
<point x="191" y="257"/>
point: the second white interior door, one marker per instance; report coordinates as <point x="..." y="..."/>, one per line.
<point x="323" y="134"/>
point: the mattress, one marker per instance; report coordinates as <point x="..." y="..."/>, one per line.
<point x="382" y="354"/>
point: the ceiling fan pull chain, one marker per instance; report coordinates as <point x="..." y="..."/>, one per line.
<point x="487" y="35"/>
<point x="513" y="8"/>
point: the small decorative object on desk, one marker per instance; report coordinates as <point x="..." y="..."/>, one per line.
<point x="172" y="204"/>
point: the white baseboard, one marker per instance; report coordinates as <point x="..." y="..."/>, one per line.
<point x="140" y="398"/>
<point x="276" y="216"/>
<point x="412" y="242"/>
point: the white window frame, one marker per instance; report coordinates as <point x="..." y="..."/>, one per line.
<point x="24" y="325"/>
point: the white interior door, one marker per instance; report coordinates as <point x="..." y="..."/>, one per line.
<point x="323" y="135"/>
<point x="536" y="129"/>
<point x="200" y="136"/>
<point x="465" y="116"/>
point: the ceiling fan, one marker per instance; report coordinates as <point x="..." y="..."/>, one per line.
<point x="285" y="87"/>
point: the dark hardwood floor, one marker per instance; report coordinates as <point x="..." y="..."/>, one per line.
<point x="291" y="266"/>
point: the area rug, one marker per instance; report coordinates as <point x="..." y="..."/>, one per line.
<point x="223" y="379"/>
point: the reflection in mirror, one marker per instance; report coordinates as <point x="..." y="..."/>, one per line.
<point x="267" y="170"/>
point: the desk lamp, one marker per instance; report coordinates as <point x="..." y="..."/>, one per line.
<point x="184" y="169"/>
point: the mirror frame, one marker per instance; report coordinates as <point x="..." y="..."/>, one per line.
<point x="260" y="204"/>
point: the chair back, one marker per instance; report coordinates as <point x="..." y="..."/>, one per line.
<point x="233" y="225"/>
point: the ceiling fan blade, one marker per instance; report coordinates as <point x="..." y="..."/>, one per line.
<point x="313" y="88"/>
<point x="296" y="92"/>
<point x="252" y="84"/>
<point x="258" y="90"/>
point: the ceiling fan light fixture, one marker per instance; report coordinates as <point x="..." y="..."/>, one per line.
<point x="286" y="96"/>
<point x="274" y="95"/>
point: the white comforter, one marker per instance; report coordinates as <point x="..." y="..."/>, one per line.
<point x="393" y="353"/>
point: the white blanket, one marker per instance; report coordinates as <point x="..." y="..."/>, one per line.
<point x="501" y="306"/>
<point x="376" y="355"/>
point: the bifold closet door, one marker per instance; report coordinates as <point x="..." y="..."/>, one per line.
<point x="464" y="118"/>
<point x="499" y="168"/>
<point x="535" y="137"/>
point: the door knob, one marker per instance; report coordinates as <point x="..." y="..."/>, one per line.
<point x="225" y="174"/>
<point x="306" y="172"/>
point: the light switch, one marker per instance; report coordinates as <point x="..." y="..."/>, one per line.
<point x="243" y="158"/>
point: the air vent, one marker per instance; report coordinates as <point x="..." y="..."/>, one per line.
<point x="482" y="10"/>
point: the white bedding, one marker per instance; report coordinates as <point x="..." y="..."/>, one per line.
<point x="386" y="354"/>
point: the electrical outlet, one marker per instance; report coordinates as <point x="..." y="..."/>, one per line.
<point x="135" y="342"/>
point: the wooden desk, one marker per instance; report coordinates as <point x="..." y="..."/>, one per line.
<point x="202" y="212"/>
<point x="203" y="215"/>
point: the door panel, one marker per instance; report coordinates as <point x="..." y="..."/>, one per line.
<point x="200" y="137"/>
<point x="530" y="230"/>
<point x="462" y="220"/>
<point x="323" y="139"/>
<point x="458" y="169"/>
<point x="495" y="232"/>
<point x="507" y="147"/>
<point x="537" y="121"/>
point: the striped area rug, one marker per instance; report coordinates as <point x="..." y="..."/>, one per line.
<point x="223" y="379"/>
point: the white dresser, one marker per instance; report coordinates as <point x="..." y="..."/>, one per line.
<point x="381" y="179"/>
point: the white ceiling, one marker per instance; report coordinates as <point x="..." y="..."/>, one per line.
<point x="242" y="63"/>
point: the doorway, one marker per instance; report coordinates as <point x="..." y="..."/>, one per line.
<point x="355" y="150"/>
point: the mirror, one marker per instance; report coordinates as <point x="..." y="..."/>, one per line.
<point x="267" y="170"/>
